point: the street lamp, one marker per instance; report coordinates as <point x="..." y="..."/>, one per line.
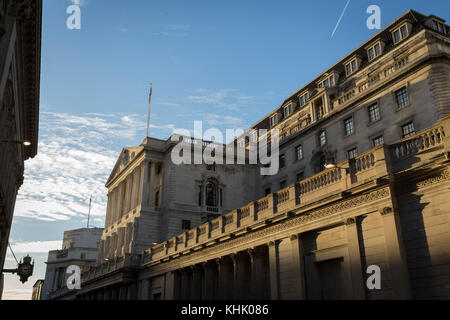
<point x="26" y="143"/>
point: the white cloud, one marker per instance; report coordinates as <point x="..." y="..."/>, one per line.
<point x="76" y="154"/>
<point x="26" y="247"/>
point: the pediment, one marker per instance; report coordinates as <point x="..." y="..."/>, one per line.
<point x="125" y="158"/>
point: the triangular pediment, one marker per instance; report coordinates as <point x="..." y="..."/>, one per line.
<point x="125" y="158"/>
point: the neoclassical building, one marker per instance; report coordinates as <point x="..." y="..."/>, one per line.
<point x="20" y="69"/>
<point x="363" y="181"/>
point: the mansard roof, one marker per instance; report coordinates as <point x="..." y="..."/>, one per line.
<point x="415" y="18"/>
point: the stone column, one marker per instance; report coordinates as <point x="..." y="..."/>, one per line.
<point x="208" y="281"/>
<point x="119" y="201"/>
<point x="151" y="193"/>
<point x="253" y="274"/>
<point x="185" y="284"/>
<point x="221" y="285"/>
<point x="143" y="184"/>
<point x="355" y="259"/>
<point x="123" y="292"/>
<point x="273" y="269"/>
<point x="298" y="264"/>
<point x="237" y="292"/>
<point x="132" y="291"/>
<point x="196" y="285"/>
<point x="398" y="267"/>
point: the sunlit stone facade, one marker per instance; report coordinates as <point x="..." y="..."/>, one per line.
<point x="381" y="115"/>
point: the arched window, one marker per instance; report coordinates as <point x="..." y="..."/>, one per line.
<point x="211" y="193"/>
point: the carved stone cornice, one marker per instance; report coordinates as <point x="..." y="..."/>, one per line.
<point x="444" y="175"/>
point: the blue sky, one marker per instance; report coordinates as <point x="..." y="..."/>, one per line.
<point x="227" y="63"/>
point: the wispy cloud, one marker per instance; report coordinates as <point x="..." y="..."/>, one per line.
<point x="76" y="154"/>
<point x="183" y="27"/>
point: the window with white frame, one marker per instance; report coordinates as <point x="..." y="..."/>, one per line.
<point x="374" y="112"/>
<point x="408" y="130"/>
<point x="352" y="153"/>
<point x="402" y="97"/>
<point x="348" y="124"/>
<point x="378" y="141"/>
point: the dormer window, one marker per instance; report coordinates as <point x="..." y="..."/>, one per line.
<point x="400" y="33"/>
<point x="374" y="51"/>
<point x="351" y="67"/>
<point x="288" y="110"/>
<point x="274" y="120"/>
<point x="304" y="99"/>
<point x="438" y="26"/>
<point x="328" y="82"/>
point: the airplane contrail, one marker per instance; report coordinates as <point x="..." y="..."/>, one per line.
<point x="340" y="18"/>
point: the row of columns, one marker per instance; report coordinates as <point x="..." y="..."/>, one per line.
<point x="243" y="275"/>
<point x="113" y="292"/>
<point x="122" y="238"/>
<point x="138" y="188"/>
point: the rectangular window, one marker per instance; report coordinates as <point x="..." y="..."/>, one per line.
<point x="299" y="152"/>
<point x="349" y="69"/>
<point x="404" y="32"/>
<point x="322" y="138"/>
<point x="378" y="141"/>
<point x="282" y="160"/>
<point x="348" y="124"/>
<point x="377" y="50"/>
<point x="402" y="97"/>
<point x="408" y="130"/>
<point x="400" y="34"/>
<point x="326" y="83"/>
<point x="274" y="120"/>
<point x="371" y="54"/>
<point x="300" y="176"/>
<point x="332" y="81"/>
<point x="397" y="36"/>
<point x="352" y="153"/>
<point x="185" y="224"/>
<point x="288" y="111"/>
<point x="267" y="191"/>
<point x="374" y="113"/>
<point x="302" y="101"/>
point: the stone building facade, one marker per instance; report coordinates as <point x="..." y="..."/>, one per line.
<point x="363" y="181"/>
<point x="79" y="247"/>
<point x="20" y="61"/>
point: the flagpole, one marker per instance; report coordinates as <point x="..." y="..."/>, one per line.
<point x="149" y="110"/>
